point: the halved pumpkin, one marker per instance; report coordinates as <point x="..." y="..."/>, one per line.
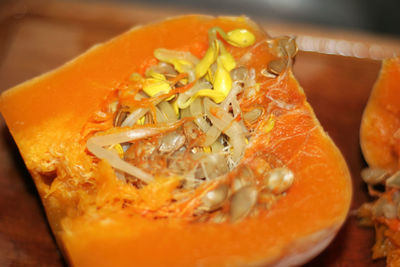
<point x="285" y="194"/>
<point x="380" y="143"/>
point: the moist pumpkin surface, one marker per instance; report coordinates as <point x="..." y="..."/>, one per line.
<point x="381" y="119"/>
<point x="226" y="163"/>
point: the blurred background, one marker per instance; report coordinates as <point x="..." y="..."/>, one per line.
<point x="39" y="35"/>
<point x="378" y="16"/>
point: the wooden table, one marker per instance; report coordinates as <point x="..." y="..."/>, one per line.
<point x="37" y="36"/>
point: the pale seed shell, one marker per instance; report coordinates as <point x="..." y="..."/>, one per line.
<point x="394" y="181"/>
<point x="373" y="175"/>
<point x="252" y="115"/>
<point x="267" y="74"/>
<point x="237" y="183"/>
<point x="389" y="210"/>
<point x="377" y="208"/>
<point x="120" y="116"/>
<point x="239" y="73"/>
<point x="215" y="198"/>
<point x="242" y="202"/>
<point x="284" y="46"/>
<point x="277" y="66"/>
<point x="279" y="180"/>
<point x="244" y="178"/>
<point x="289" y="45"/>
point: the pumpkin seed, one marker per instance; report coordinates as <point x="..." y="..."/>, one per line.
<point x="377" y="209"/>
<point x="215" y="198"/>
<point x="242" y="202"/>
<point x="389" y="210"/>
<point x="239" y="73"/>
<point x="237" y="184"/>
<point x="172" y="142"/>
<point x="279" y="180"/>
<point x="267" y="74"/>
<point x="220" y="217"/>
<point x="373" y="175"/>
<point x="284" y="46"/>
<point x="244" y="178"/>
<point x="252" y="115"/>
<point x="211" y="165"/>
<point x="288" y="45"/>
<point x="394" y="180"/>
<point x="277" y="66"/>
<point x="120" y="116"/>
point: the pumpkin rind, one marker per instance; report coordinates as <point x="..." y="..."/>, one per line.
<point x="46" y="116"/>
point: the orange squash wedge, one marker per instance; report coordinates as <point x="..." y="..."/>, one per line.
<point x="278" y="196"/>
<point x="380" y="143"/>
<point x="381" y="119"/>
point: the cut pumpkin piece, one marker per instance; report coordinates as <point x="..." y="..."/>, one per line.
<point x="177" y="144"/>
<point x="380" y="143"/>
<point x="380" y="128"/>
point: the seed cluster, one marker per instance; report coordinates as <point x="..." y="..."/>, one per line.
<point x="183" y="118"/>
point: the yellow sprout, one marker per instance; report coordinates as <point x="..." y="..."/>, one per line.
<point x="269" y="125"/>
<point x="112" y="107"/>
<point x="182" y="61"/>
<point x="217" y="97"/>
<point x="207" y="149"/>
<point x="118" y="148"/>
<point x="156" y="75"/>
<point x="157" y="84"/>
<point x="140" y="121"/>
<point x="153" y="87"/>
<point x="181" y="65"/>
<point x="208" y="59"/>
<point x="227" y="59"/>
<point x="222" y="79"/>
<point x="210" y="75"/>
<point x="175" y="107"/>
<point x="240" y="38"/>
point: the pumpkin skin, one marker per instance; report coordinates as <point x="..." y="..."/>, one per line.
<point x="381" y="119"/>
<point x="46" y="116"/>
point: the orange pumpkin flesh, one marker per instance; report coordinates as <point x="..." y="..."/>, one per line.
<point x="381" y="119"/>
<point x="47" y="114"/>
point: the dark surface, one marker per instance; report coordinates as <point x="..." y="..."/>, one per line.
<point x="45" y="36"/>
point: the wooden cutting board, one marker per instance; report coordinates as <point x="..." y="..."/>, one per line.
<point x="37" y="36"/>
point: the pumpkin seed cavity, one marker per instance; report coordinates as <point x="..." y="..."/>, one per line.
<point x="183" y="119"/>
